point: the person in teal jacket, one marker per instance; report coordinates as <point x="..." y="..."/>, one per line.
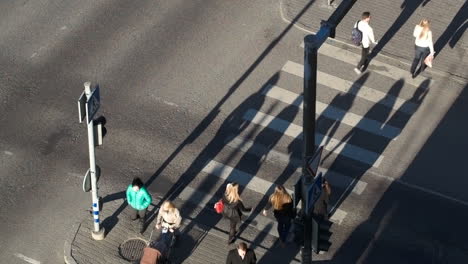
<point x="139" y="199"/>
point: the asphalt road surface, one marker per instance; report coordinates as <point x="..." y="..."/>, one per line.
<point x="181" y="83"/>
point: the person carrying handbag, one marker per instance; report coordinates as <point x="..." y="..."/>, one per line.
<point x="424" y="48"/>
<point x="233" y="208"/>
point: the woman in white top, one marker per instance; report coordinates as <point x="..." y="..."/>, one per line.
<point x="423" y="45"/>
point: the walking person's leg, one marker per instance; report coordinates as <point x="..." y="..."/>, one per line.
<point x="232" y="230"/>
<point x="418" y="57"/>
<point x="424" y="53"/>
<point x="362" y="62"/>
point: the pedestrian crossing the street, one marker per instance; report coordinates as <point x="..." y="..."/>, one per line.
<point x="272" y="157"/>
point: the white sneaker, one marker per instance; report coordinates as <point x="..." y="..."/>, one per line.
<point x="357" y="71"/>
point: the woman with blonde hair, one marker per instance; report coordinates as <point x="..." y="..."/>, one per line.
<point x="233" y="208"/>
<point x="423" y="46"/>
<point x="283" y="211"/>
<point x="169" y="218"/>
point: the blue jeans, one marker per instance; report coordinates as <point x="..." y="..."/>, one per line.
<point x="419" y="56"/>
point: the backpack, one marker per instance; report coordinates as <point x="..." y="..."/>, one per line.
<point x="356" y="35"/>
<point x="219" y="206"/>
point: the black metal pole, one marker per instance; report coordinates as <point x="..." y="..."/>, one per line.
<point x="310" y="92"/>
<point x="311" y="45"/>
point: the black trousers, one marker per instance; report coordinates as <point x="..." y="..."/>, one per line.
<point x="232" y="228"/>
<point x="419" y="55"/>
<point x="364" y="58"/>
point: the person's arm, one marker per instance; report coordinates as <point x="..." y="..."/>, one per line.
<point x="159" y="219"/>
<point x="416" y="31"/>
<point x="431" y="45"/>
<point x="243" y="208"/>
<point x="178" y="219"/>
<point x="146" y="198"/>
<point x="253" y="260"/>
<point x="371" y="35"/>
<point x="267" y="207"/>
<point x="229" y="258"/>
<point x="129" y="195"/>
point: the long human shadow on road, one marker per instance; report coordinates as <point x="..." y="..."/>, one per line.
<point x="421" y="217"/>
<point x="408" y="6"/>
<point x="343" y="101"/>
<point x="379" y="143"/>
<point x="216" y="109"/>
<point x="454" y="30"/>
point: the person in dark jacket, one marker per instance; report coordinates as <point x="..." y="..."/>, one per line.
<point x="139" y="199"/>
<point x="283" y="211"/>
<point x="241" y="255"/>
<point x="233" y="208"/>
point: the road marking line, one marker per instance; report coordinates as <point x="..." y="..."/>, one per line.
<point x="334" y="113"/>
<point x="334" y="178"/>
<point x="29" y="260"/>
<point x="293" y="130"/>
<point x="346" y="86"/>
<point x="9" y="153"/>
<point x="376" y="66"/>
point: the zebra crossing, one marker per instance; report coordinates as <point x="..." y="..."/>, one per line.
<point x="258" y="187"/>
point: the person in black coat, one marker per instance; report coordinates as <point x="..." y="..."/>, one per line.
<point x="233" y="208"/>
<point x="283" y="211"/>
<point x="241" y="255"/>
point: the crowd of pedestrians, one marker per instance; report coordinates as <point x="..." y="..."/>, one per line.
<point x="169" y="219"/>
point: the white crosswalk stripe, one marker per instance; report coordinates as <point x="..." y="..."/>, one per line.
<point x="334" y="113"/>
<point x="264" y="187"/>
<point x="334" y="145"/>
<point x="336" y="179"/>
<point x="345" y="86"/>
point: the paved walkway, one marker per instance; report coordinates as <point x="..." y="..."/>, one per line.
<point x="393" y="23"/>
<point x="198" y="243"/>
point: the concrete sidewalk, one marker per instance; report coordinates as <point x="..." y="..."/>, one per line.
<point x="198" y="243"/>
<point x="393" y="23"/>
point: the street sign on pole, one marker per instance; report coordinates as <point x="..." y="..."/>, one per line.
<point x="297" y="191"/>
<point x="93" y="103"/>
<point x="313" y="163"/>
<point x="81" y="107"/>
<point x="314" y="192"/>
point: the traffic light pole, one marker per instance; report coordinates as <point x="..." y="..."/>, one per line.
<point x="98" y="232"/>
<point x="311" y="45"/>
<point x="310" y="93"/>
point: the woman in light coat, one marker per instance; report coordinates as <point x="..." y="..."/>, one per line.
<point x="423" y="46"/>
<point x="169" y="217"/>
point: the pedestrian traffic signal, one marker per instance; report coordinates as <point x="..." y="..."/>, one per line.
<point x="321" y="234"/>
<point x="99" y="130"/>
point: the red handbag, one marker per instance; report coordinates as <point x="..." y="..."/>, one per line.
<point x="219" y="206"/>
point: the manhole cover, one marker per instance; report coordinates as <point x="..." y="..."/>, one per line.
<point x="132" y="249"/>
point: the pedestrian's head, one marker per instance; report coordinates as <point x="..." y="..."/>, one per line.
<point x="280" y="197"/>
<point x="242" y="249"/>
<point x="168" y="206"/>
<point x="232" y="192"/>
<point x="137" y="184"/>
<point x="365" y="16"/>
